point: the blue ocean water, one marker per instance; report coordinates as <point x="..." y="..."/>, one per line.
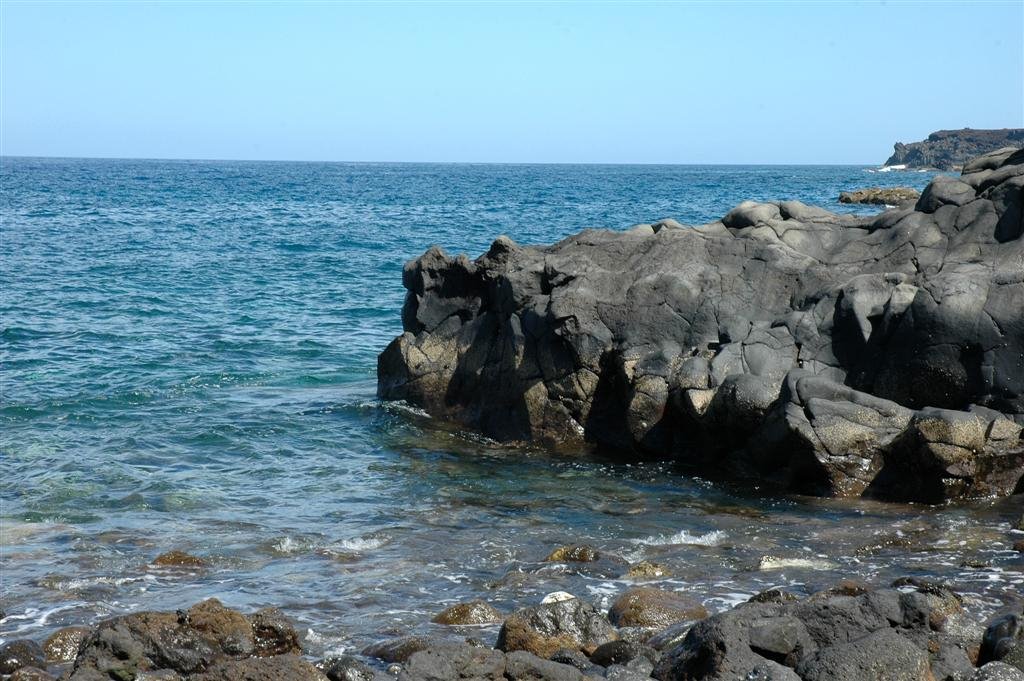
<point x="187" y="362"/>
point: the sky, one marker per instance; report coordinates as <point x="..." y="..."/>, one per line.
<point x="665" y="82"/>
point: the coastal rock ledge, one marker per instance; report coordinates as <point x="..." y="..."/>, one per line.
<point x="822" y="354"/>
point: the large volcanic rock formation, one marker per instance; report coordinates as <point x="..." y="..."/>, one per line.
<point x="951" y="149"/>
<point x="825" y="354"/>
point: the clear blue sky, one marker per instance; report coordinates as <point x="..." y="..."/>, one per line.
<point x="566" y="82"/>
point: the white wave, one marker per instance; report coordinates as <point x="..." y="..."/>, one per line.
<point x="332" y="646"/>
<point x="776" y="563"/>
<point x="289" y="545"/>
<point x="684" y="537"/>
<point x="360" y="544"/>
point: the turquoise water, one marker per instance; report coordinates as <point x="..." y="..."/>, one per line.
<point x="188" y="356"/>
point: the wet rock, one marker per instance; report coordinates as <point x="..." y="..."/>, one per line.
<point x="31" y="674"/>
<point x="523" y="666"/>
<point x="473" y="612"/>
<point x="1019" y="546"/>
<point x="286" y="667"/>
<point x="229" y="629"/>
<point x="637" y="669"/>
<point x="346" y="668"/>
<point x="772" y="596"/>
<point x="997" y="671"/>
<point x="547" y="628"/>
<point x="718" y="649"/>
<point x="273" y="633"/>
<point x="621" y="652"/>
<point x="670" y="636"/>
<point x="1003" y="641"/>
<point x="399" y="649"/>
<point x="20" y="653"/>
<point x="557" y="597"/>
<point x="62" y="645"/>
<point x="817" y="353"/>
<point x="647" y="607"/>
<point x="178" y="559"/>
<point x="575" y="553"/>
<point x="889" y="196"/>
<point x="883" y="654"/>
<point x="646" y="570"/>
<point x="454" y="661"/>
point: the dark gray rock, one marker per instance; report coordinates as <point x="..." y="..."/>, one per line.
<point x="621" y="652"/>
<point x="545" y="629"/>
<point x="578" y="660"/>
<point x="1003" y="641"/>
<point x="454" y="661"/>
<point x="824" y="354"/>
<point x="883" y="656"/>
<point x="346" y="668"/>
<point x="399" y="649"/>
<point x="523" y="666"/>
<point x="20" y="653"/>
<point x="953" y="149"/>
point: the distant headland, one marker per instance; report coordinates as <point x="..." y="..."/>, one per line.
<point x="950" y="149"/>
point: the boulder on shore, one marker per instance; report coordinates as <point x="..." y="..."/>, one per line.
<point x="824" y="354"/>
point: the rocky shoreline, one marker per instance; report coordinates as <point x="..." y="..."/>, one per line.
<point x="822" y="354"/>
<point x="952" y="149"/>
<point x="913" y="630"/>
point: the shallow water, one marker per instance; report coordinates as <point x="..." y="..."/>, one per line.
<point x="188" y="357"/>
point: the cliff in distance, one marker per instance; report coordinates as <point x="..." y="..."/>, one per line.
<point x="819" y="353"/>
<point x="951" y="149"/>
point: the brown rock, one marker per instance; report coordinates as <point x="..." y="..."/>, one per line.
<point x="62" y="646"/>
<point x="230" y="629"/>
<point x="574" y="553"/>
<point x="273" y="633"/>
<point x="647" y="607"/>
<point x="178" y="559"/>
<point x="547" y="628"/>
<point x="891" y="196"/>
<point x="1019" y="546"/>
<point x="645" y="570"/>
<point x="473" y="612"/>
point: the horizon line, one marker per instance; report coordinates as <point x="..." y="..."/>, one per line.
<point x="354" y="162"/>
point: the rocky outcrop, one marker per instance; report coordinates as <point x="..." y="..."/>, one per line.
<point x="825" y="354"/>
<point x="951" y="149"/>
<point x="881" y="196"/>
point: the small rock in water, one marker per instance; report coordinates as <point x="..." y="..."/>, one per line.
<point x="345" y="668"/>
<point x="473" y="612"/>
<point x="20" y="653"/>
<point x="772" y="596"/>
<point x="178" y="559"/>
<point x="62" y="646"/>
<point x="574" y="553"/>
<point x="557" y="597"/>
<point x="647" y="607"/>
<point x="1019" y="546"/>
<point x="889" y="196"/>
<point x="645" y="570"/>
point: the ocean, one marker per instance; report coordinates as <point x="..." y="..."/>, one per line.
<point x="188" y="363"/>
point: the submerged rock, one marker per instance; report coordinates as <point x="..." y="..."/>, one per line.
<point x="819" y="353"/>
<point x="887" y="196"/>
<point x="178" y="559"/>
<point x="575" y="553"/>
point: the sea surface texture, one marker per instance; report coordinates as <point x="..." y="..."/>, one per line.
<point x="188" y="362"/>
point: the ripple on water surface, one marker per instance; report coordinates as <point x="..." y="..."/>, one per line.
<point x="188" y="353"/>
